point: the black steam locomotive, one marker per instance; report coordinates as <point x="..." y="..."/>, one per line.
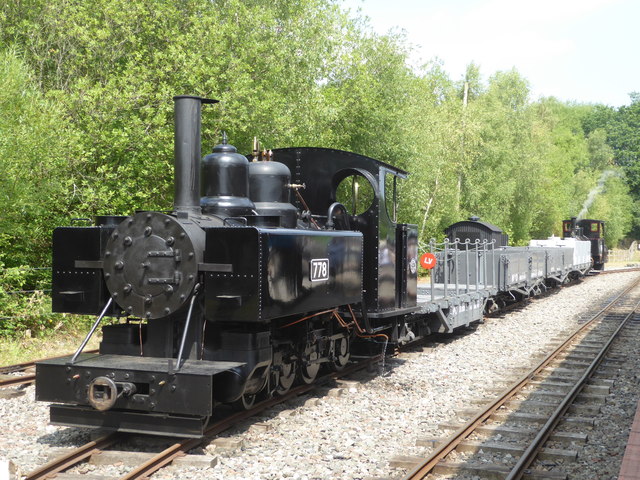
<point x="265" y="272"/>
<point x="592" y="231"/>
<point x="258" y="277"/>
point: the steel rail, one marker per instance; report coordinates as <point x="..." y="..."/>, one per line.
<point x="70" y="459"/>
<point x="18" y="367"/>
<point x="422" y="470"/>
<point x="18" y="380"/>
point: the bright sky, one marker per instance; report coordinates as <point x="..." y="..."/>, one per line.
<point x="582" y="50"/>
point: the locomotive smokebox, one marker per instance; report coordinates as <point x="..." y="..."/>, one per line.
<point x="187" y="152"/>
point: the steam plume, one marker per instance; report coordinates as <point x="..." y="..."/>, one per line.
<point x="595" y="191"/>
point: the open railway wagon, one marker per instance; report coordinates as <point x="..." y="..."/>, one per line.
<point x="460" y="284"/>
<point x="509" y="273"/>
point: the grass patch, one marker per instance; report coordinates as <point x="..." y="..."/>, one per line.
<point x="51" y="344"/>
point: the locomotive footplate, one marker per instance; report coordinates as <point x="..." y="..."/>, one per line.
<point x="130" y="393"/>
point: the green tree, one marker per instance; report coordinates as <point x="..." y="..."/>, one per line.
<point x="622" y="127"/>
<point x="38" y="151"/>
<point x="613" y="204"/>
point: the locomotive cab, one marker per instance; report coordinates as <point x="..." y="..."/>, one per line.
<point x="357" y="192"/>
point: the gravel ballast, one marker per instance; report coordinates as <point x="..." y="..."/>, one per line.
<point x="354" y="431"/>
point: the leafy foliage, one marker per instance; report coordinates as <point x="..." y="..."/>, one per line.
<point x="86" y="117"/>
<point x="621" y="128"/>
<point x="38" y="150"/>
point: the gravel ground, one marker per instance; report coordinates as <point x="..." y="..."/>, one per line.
<point x="354" y="435"/>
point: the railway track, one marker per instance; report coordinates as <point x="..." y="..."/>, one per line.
<point x="180" y="448"/>
<point x="615" y="270"/>
<point x="12" y="380"/>
<point x="533" y="429"/>
<point x="10" y="374"/>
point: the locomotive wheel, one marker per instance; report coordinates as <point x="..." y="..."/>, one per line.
<point x="309" y="371"/>
<point x="341" y="354"/>
<point x="245" y="402"/>
<point x="287" y="377"/>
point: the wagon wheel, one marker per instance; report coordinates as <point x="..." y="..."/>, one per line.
<point x="287" y="376"/>
<point x="341" y="353"/>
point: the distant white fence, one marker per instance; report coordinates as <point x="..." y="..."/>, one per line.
<point x="630" y="254"/>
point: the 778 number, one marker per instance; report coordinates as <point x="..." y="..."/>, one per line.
<point x="319" y="269"/>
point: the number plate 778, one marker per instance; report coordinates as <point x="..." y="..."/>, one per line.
<point x="319" y="269"/>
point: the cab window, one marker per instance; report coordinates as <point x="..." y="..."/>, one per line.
<point x="356" y="194"/>
<point x="391" y="196"/>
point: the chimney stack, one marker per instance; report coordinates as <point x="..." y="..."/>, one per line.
<point x="187" y="152"/>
